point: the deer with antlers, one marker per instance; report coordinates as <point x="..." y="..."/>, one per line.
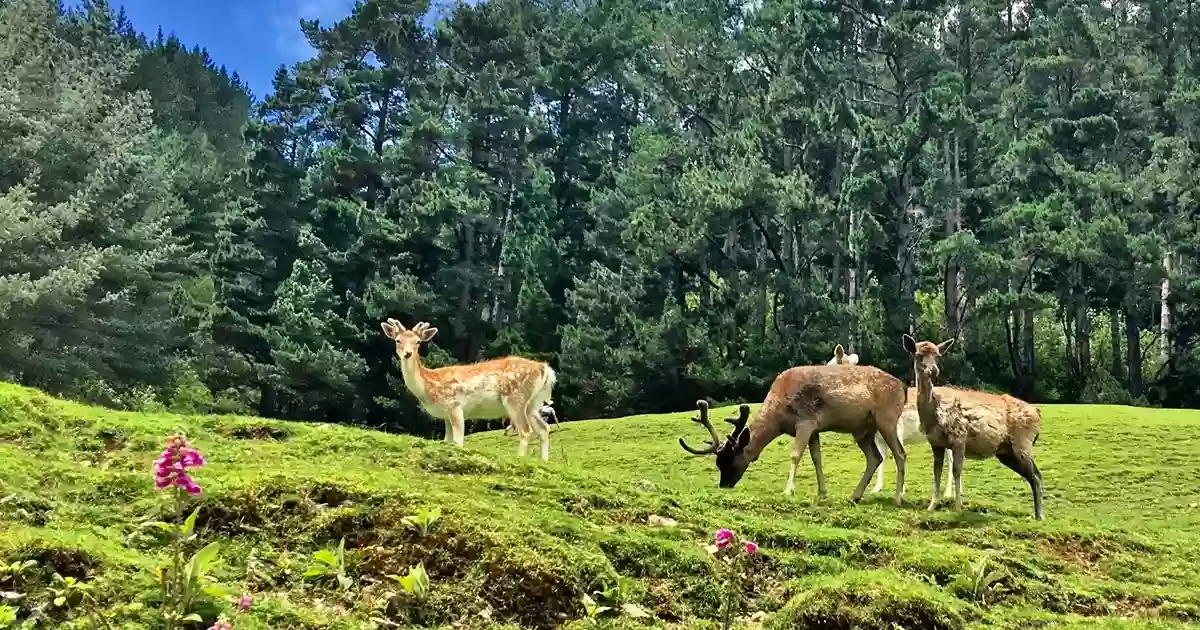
<point x="511" y="387"/>
<point x="803" y="402"/>
<point x="973" y="424"/>
<point x="909" y="428"/>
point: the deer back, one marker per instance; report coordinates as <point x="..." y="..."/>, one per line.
<point x="495" y="379"/>
<point x="846" y="398"/>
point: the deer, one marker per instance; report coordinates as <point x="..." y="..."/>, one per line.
<point x="512" y="387"/>
<point x="909" y="428"/>
<point x="973" y="424"/>
<point x="803" y="402"/>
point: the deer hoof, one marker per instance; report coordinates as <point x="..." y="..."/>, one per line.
<point x="932" y="506"/>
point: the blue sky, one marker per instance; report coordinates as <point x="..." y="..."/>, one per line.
<point x="250" y="36"/>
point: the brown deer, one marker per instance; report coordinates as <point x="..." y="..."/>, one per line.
<point x="511" y="387"/>
<point x="803" y="402"/>
<point x="909" y="428"/>
<point x="973" y="424"/>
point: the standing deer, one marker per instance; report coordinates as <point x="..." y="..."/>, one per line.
<point x="510" y="387"/>
<point x="803" y="402"/>
<point x="909" y="428"/>
<point x="973" y="424"/>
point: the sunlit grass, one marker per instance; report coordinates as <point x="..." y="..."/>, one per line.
<point x="520" y="542"/>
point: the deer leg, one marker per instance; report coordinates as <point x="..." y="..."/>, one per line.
<point x="449" y="430"/>
<point x="458" y="425"/>
<point x="959" y="453"/>
<point x="939" y="461"/>
<point x="879" y="444"/>
<point x="814" y="450"/>
<point x="543" y="431"/>
<point x="519" y="419"/>
<point x="1025" y="466"/>
<point x="867" y="444"/>
<point x="802" y="437"/>
<point x="891" y="437"/>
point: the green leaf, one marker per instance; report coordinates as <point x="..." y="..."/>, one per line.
<point x="60" y="600"/>
<point x="635" y="611"/>
<point x="344" y="581"/>
<point x="326" y="557"/>
<point x="190" y="524"/>
<point x="216" y="591"/>
<point x="193" y="617"/>
<point x="202" y="561"/>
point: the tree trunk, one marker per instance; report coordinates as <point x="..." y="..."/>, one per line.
<point x="951" y="287"/>
<point x="1029" y="353"/>
<point x="852" y="282"/>
<point x="1164" y="317"/>
<point x="1133" y="349"/>
<point x="1114" y="328"/>
<point x="1083" y="329"/>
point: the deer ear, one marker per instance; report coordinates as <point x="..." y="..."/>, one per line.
<point x="839" y="351"/>
<point x="389" y="330"/>
<point x="428" y="334"/>
<point x="910" y="344"/>
<point x="944" y="347"/>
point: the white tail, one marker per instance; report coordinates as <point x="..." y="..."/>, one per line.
<point x="511" y="387"/>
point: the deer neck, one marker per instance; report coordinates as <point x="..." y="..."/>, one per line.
<point x="925" y="400"/>
<point x="415" y="377"/>
<point x="761" y="434"/>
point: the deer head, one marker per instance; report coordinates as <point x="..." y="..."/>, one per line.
<point x="841" y="358"/>
<point x="407" y="341"/>
<point x="926" y="355"/>
<point x="731" y="459"/>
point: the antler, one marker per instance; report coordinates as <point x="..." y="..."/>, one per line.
<point x="739" y="422"/>
<point x="703" y="419"/>
<point x="395" y="323"/>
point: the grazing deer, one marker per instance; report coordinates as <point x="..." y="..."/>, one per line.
<point x="973" y="424"/>
<point x="510" y="387"/>
<point x="909" y="428"/>
<point x="803" y="402"/>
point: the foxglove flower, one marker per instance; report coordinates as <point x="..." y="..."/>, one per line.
<point x="751" y="547"/>
<point x="724" y="538"/>
<point x="170" y="469"/>
<point x="244" y="603"/>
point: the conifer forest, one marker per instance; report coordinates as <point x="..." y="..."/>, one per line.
<point x="665" y="200"/>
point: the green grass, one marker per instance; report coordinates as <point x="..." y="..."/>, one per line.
<point x="520" y="542"/>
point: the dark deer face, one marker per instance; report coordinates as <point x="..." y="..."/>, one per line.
<point x="731" y="457"/>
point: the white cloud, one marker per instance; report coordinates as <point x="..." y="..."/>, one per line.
<point x="289" y="40"/>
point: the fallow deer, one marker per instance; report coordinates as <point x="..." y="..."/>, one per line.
<point x="511" y="387"/>
<point x="803" y="402"/>
<point x="909" y="428"/>
<point x="973" y="424"/>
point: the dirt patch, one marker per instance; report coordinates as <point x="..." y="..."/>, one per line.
<point x="258" y="431"/>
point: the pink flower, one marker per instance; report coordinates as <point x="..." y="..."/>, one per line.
<point x="244" y="603"/>
<point x="751" y="547"/>
<point x="170" y="469"/>
<point x="221" y="624"/>
<point x="724" y="538"/>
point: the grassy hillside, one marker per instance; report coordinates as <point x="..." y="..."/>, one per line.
<point x="519" y="542"/>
